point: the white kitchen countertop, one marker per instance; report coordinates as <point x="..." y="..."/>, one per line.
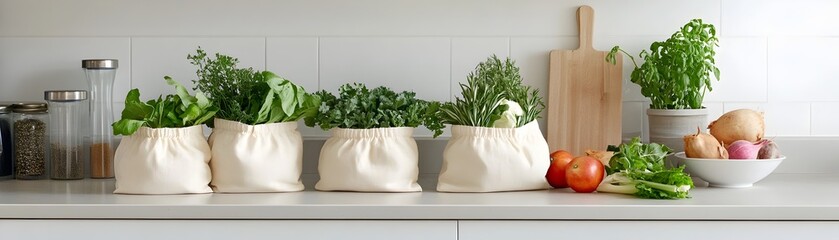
<point x="778" y="197"/>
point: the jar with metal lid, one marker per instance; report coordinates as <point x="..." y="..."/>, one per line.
<point x="6" y="163"/>
<point x="65" y="136"/>
<point x="31" y="152"/>
<point x="100" y="76"/>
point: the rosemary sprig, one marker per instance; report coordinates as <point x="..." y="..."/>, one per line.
<point x="492" y="81"/>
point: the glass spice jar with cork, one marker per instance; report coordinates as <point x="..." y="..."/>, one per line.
<point x="30" y="151"/>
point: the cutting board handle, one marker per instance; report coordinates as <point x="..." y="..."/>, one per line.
<point x="585" y="19"/>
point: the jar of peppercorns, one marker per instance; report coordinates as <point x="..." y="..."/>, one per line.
<point x="29" y="127"/>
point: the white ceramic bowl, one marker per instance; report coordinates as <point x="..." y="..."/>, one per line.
<point x="730" y="173"/>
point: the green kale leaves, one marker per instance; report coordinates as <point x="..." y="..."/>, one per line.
<point x="358" y="107"/>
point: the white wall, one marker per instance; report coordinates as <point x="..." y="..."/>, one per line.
<point x="776" y="56"/>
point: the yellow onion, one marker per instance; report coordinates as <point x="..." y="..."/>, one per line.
<point x="740" y="124"/>
<point x="703" y="145"/>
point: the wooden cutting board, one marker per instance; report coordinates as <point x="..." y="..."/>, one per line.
<point x="584" y="95"/>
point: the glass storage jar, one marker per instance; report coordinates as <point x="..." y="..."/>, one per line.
<point x="100" y="77"/>
<point x="65" y="137"/>
<point x="29" y="128"/>
<point x="6" y="163"/>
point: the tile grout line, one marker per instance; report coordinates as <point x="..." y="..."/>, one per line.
<point x="722" y="26"/>
<point x="766" y="64"/>
<point x="265" y="53"/>
<point x="317" y="60"/>
<point x="451" y="62"/>
<point x="509" y="47"/>
<point x="130" y="64"/>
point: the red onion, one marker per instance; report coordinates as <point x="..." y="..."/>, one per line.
<point x="742" y="149"/>
<point x="769" y="151"/>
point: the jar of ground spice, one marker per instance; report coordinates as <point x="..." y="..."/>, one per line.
<point x="29" y="126"/>
<point x="65" y="138"/>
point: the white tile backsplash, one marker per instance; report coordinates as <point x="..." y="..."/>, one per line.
<point x="403" y="64"/>
<point x="779" y="18"/>
<point x="154" y="58"/>
<point x="775" y="55"/>
<point x="28" y="66"/>
<point x="757" y="106"/>
<point x="421" y="65"/>
<point x="118" y="107"/>
<point x="803" y="69"/>
<point x="345" y="18"/>
<point x="824" y="117"/>
<point x="781" y="119"/>
<point x="648" y="17"/>
<point x="743" y="73"/>
<point x="632" y="119"/>
<point x="294" y="58"/>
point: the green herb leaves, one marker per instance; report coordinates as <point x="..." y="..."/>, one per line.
<point x="357" y="107"/>
<point x="492" y="82"/>
<point x="173" y="111"/>
<point x="249" y="96"/>
<point x="676" y="72"/>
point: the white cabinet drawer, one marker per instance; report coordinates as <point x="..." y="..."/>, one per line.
<point x="226" y="229"/>
<point x="682" y="230"/>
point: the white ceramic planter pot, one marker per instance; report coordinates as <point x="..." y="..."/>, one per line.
<point x="669" y="127"/>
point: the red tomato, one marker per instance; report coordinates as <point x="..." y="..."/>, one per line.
<point x="556" y="172"/>
<point x="584" y="174"/>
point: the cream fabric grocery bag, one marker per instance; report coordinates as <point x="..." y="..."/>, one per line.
<point x="369" y="160"/>
<point x="256" y="158"/>
<point x="163" y="161"/>
<point x="480" y="159"/>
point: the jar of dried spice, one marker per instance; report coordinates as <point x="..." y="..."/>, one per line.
<point x="65" y="138"/>
<point x="30" y="140"/>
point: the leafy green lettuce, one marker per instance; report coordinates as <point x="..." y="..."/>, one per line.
<point x="285" y="101"/>
<point x="172" y="111"/>
<point x="638" y="169"/>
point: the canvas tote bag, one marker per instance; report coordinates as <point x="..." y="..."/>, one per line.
<point x="480" y="159"/>
<point x="163" y="161"/>
<point x="369" y="160"/>
<point x="256" y="158"/>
